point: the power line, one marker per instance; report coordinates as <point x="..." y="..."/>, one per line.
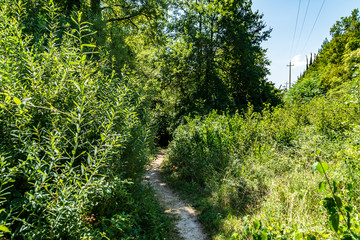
<point x="317" y="17"/>
<point x="302" y="25"/>
<point x="297" y="19"/>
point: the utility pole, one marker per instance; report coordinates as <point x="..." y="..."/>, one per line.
<point x="290" y="65"/>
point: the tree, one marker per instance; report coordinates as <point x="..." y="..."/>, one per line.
<point x="215" y="59"/>
<point x="241" y="57"/>
<point x="126" y="27"/>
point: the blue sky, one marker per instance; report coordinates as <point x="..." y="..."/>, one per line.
<point x="281" y="16"/>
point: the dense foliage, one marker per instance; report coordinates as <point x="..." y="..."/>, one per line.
<point x="289" y="172"/>
<point x="74" y="135"/>
<point x="214" y="59"/>
<point x="87" y="88"/>
<point x="253" y="176"/>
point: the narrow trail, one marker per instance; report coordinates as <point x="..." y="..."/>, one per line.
<point x="187" y="223"/>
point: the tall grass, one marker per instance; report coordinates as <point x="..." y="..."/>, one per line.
<point x="250" y="174"/>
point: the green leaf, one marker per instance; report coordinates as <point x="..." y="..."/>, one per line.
<point x="4" y="229"/>
<point x="102" y="137"/>
<point x="334" y="222"/>
<point x="338" y="202"/>
<point x="354" y="236"/>
<point x="348" y="236"/>
<point x="83" y="168"/>
<point x="71" y="35"/>
<point x="2" y="106"/>
<point x="263" y="235"/>
<point x="329" y="204"/>
<point x="88" y="45"/>
<point x="335" y="186"/>
<point x="322" y="167"/>
<point x="16" y="100"/>
<point x="321" y="187"/>
<point x="348" y="220"/>
<point x="43" y="175"/>
<point x="256" y="224"/>
<point x="349" y="208"/>
<point x="299" y="236"/>
<point x="260" y="236"/>
<point x="77" y="86"/>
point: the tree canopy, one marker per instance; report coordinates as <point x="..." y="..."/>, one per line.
<point x="214" y="58"/>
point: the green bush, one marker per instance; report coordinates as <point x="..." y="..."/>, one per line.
<point x="73" y="139"/>
<point x="305" y="90"/>
<point x="198" y="149"/>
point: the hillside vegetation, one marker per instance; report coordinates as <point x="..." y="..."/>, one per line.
<point x="334" y="69"/>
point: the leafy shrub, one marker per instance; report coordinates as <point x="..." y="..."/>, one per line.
<point x="200" y="141"/>
<point x="70" y="136"/>
<point x="304" y="90"/>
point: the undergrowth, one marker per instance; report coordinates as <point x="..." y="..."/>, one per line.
<point x="252" y="175"/>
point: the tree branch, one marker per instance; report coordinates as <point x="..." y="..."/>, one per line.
<point x="134" y="24"/>
<point x="121" y="18"/>
<point x="127" y="17"/>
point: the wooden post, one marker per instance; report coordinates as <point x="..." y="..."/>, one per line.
<point x="290" y="65"/>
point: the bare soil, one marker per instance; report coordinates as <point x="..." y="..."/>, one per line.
<point x="187" y="223"/>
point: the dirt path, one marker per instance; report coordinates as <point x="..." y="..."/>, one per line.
<point x="187" y="224"/>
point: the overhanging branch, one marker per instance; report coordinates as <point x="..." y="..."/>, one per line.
<point x="127" y="17"/>
<point x="121" y="18"/>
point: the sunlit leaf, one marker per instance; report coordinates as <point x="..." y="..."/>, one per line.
<point x="263" y="235"/>
<point x="322" y="167"/>
<point x="321" y="187"/>
<point x="16" y="100"/>
<point x="88" y="45"/>
<point x="77" y="86"/>
<point x="4" y="229"/>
